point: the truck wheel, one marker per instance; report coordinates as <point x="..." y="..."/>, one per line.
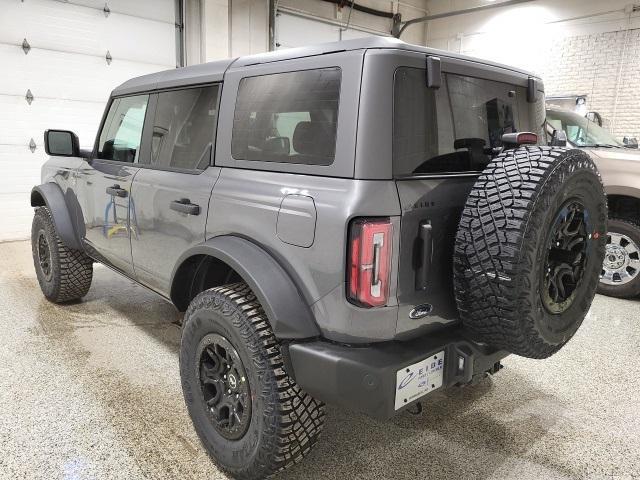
<point x="63" y="274"/>
<point x="250" y="415"/>
<point x="529" y="249"/>
<point x="621" y="267"/>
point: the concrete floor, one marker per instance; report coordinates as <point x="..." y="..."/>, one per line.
<point x="91" y="390"/>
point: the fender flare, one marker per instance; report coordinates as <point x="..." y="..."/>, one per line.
<point x="288" y="313"/>
<point x="50" y="194"/>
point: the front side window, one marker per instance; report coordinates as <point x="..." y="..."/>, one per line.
<point x="287" y="117"/>
<point x="183" y="128"/>
<point x="453" y="128"/>
<point x="122" y="130"/>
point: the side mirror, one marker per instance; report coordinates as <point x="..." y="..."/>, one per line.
<point x="61" y="143"/>
<point x="630" y="142"/>
<point x="594" y="117"/>
<point x="558" y="139"/>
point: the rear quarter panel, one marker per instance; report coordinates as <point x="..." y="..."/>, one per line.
<point x="247" y="203"/>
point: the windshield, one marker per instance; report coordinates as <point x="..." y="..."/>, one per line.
<point x="580" y="131"/>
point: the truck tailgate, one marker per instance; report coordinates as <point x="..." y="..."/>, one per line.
<point x="431" y="208"/>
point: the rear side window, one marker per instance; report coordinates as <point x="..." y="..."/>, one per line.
<point x="183" y="128"/>
<point x="287" y="117"/>
<point x="122" y="130"/>
<point x="453" y="128"/>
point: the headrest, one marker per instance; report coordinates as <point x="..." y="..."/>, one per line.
<point x="313" y="138"/>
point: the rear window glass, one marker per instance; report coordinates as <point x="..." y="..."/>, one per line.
<point x="453" y="128"/>
<point x="287" y="117"/>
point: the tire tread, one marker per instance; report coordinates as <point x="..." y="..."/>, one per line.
<point x="494" y="256"/>
<point x="296" y="419"/>
<point x="73" y="271"/>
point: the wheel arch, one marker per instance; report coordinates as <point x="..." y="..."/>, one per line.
<point x="624" y="203"/>
<point x="229" y="258"/>
<point x="51" y="196"/>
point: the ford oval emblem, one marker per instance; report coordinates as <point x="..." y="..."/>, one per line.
<point x="420" y="311"/>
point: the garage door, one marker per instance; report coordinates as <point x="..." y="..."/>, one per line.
<point x="73" y="55"/>
<point x="297" y="31"/>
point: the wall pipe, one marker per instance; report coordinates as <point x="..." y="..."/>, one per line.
<point x="399" y="26"/>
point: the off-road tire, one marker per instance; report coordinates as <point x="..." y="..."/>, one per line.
<point x="285" y="422"/>
<point x="630" y="289"/>
<point x="502" y="246"/>
<point x="70" y="271"/>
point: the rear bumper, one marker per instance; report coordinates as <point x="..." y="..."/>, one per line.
<point x="364" y="378"/>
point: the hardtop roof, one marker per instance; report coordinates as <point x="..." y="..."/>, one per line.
<point x="214" y="71"/>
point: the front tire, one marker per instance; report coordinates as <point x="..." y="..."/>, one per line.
<point x="251" y="417"/>
<point x="64" y="274"/>
<point x="620" y="276"/>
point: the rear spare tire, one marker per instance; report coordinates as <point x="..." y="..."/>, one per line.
<point x="529" y="249"/>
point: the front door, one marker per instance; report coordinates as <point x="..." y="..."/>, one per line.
<point x="171" y="192"/>
<point x="104" y="183"/>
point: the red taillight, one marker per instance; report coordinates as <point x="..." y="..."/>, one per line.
<point x="369" y="262"/>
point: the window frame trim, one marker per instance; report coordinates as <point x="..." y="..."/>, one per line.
<point x="145" y="146"/>
<point x="337" y="129"/>
<point x="105" y="114"/>
<point x="351" y="63"/>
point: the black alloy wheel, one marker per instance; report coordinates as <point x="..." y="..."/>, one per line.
<point x="566" y="256"/>
<point x="224" y="386"/>
<point x="44" y="255"/>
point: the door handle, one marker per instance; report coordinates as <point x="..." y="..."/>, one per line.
<point x="116" y="191"/>
<point x="424" y="259"/>
<point x="184" y="205"/>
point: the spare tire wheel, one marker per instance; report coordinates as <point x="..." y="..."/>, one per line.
<point x="529" y="249"/>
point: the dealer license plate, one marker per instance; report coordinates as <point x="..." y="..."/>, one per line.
<point x="416" y="380"/>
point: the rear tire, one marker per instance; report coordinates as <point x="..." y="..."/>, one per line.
<point x="529" y="249"/>
<point x="620" y="276"/>
<point x="277" y="424"/>
<point x="64" y="274"/>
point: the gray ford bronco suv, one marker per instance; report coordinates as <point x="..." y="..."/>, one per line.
<point x="358" y="224"/>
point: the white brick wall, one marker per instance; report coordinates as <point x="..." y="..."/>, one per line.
<point x="590" y="64"/>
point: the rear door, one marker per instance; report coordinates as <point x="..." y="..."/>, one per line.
<point x="443" y="138"/>
<point x="170" y="193"/>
